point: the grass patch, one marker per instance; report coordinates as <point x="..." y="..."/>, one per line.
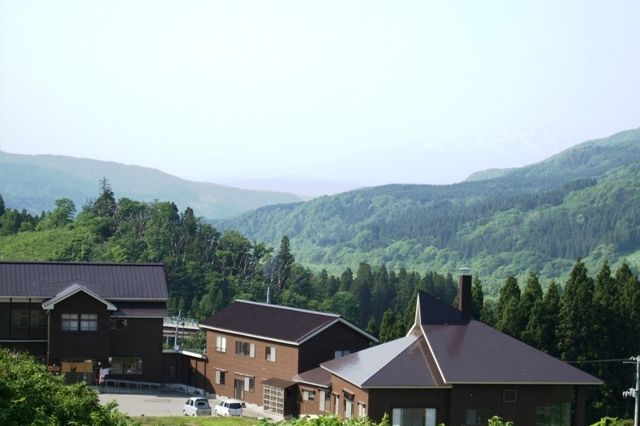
<point x="196" y="421"/>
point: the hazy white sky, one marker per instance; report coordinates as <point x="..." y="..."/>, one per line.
<point x="362" y="91"/>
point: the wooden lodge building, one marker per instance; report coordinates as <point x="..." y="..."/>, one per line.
<point x="79" y="317"/>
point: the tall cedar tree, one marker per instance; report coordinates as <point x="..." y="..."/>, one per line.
<point x="283" y="263"/>
<point x="362" y="284"/>
<point x="508" y="316"/>
<point x="575" y="329"/>
<point x="477" y="298"/>
<point x="532" y="293"/>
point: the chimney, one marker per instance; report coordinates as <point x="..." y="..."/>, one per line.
<point x="464" y="294"/>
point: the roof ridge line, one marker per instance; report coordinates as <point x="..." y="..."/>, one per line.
<point x="308" y="311"/>
<point x="59" y="262"/>
<point x="394" y="357"/>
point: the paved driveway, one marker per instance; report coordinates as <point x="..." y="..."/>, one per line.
<point x="160" y="403"/>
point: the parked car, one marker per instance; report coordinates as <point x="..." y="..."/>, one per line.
<point x="229" y="407"/>
<point x="196" y="406"/>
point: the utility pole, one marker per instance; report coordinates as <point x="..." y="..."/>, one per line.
<point x="175" y="337"/>
<point x="634" y="392"/>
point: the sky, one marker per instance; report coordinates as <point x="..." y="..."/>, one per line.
<point x="364" y="92"/>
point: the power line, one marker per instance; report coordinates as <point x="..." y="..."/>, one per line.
<point x="595" y="361"/>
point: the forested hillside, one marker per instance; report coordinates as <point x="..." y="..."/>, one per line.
<point x="34" y="182"/>
<point x="584" y="202"/>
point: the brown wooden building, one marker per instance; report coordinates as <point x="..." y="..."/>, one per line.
<point x="255" y="350"/>
<point x="451" y="369"/>
<point x="78" y="317"/>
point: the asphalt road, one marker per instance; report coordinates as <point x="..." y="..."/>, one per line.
<point x="160" y="404"/>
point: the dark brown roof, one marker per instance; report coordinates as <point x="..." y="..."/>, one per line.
<point x="434" y="311"/>
<point x="279" y="383"/>
<point x="274" y="322"/>
<point x="477" y="353"/>
<point x="443" y="349"/>
<point x="109" y="280"/>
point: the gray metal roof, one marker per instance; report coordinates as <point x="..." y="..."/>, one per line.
<point x="109" y="280"/>
<point x="359" y="367"/>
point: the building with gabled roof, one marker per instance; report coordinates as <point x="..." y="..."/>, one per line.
<point x="78" y="317"/>
<point x="255" y="351"/>
<point x="455" y="370"/>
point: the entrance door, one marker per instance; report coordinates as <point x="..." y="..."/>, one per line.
<point x="238" y="389"/>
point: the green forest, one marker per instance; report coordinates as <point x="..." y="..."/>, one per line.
<point x="584" y="202"/>
<point x="584" y="318"/>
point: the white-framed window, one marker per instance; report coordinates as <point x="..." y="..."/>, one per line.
<point x="221" y="344"/>
<point x="220" y="377"/>
<point x="308" y="395"/>
<point x="336" y="405"/>
<point x="249" y="384"/>
<point x="69" y="322"/>
<point x="321" y="400"/>
<point x="362" y="409"/>
<point x="340" y="354"/>
<point x="270" y="353"/>
<point x="348" y="409"/>
<point x="245" y="349"/>
<point x="413" y="416"/>
<point x="88" y="322"/>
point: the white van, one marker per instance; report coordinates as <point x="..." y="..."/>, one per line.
<point x="196" y="406"/>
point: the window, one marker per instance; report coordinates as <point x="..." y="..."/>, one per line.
<point x="340" y="354"/>
<point x="476" y="417"/>
<point x="69" y="322"/>
<point x="362" y="410"/>
<point x="348" y="409"/>
<point x="554" y="415"/>
<point x="308" y="395"/>
<point x="220" y="377"/>
<point x="245" y="349"/>
<point x="321" y="400"/>
<point x="125" y="365"/>
<point x="270" y="353"/>
<point x="118" y="323"/>
<point x="221" y="344"/>
<point x="38" y="319"/>
<point x="336" y="404"/>
<point x="249" y="384"/>
<point x="413" y="416"/>
<point x="88" y="322"/>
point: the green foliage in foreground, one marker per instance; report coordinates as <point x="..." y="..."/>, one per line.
<point x="195" y="421"/>
<point x="328" y="421"/>
<point x="29" y="395"/>
<point x="613" y="421"/>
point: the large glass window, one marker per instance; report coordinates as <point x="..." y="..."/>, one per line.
<point x="88" y="322"/>
<point x="20" y="318"/>
<point x="554" y="415"/>
<point x="125" y="365"/>
<point x="38" y="319"/>
<point x="69" y="322"/>
<point x="477" y="417"/>
<point x="413" y="417"/>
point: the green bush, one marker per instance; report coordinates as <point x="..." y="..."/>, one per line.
<point x="29" y="395"/>
<point x="329" y="421"/>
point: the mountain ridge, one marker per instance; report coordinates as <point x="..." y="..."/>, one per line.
<point x="34" y="182"/>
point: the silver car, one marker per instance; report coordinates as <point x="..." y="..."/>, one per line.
<point x="229" y="408"/>
<point x="196" y="406"/>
